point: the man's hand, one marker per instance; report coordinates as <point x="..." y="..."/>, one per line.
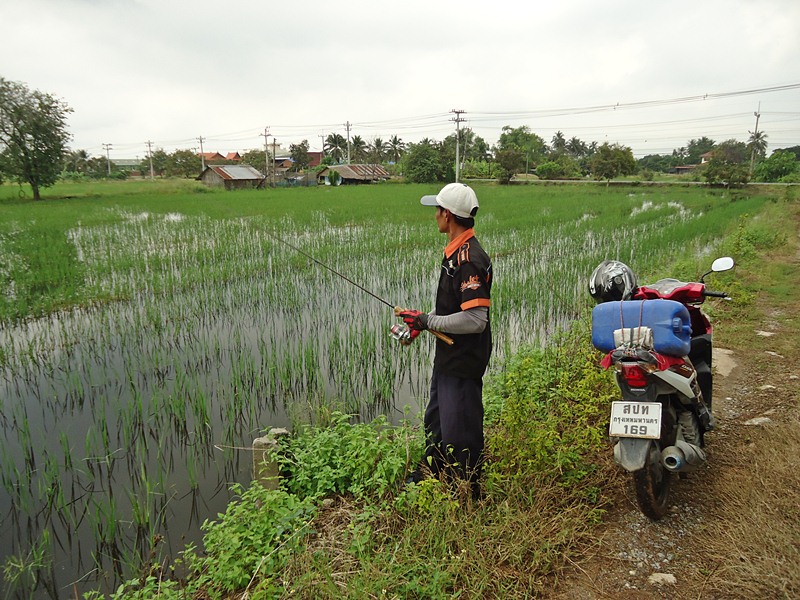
<point x="416" y="320"/>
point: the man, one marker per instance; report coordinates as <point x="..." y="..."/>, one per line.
<point x="454" y="416"/>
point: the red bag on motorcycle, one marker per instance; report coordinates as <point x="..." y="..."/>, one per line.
<point x="668" y="320"/>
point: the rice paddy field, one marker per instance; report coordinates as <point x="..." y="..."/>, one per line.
<point x="149" y="331"/>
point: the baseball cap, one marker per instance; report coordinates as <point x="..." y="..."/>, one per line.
<point x="458" y="198"/>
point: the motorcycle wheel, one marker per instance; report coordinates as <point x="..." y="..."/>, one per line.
<point x="690" y="428"/>
<point x="652" y="485"/>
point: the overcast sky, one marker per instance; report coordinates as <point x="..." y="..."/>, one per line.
<point x="171" y="71"/>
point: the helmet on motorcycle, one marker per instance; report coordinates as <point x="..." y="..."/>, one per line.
<point x="612" y="280"/>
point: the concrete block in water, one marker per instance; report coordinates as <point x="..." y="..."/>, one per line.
<point x="266" y="469"/>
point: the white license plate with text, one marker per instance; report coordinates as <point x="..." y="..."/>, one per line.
<point x="635" y="419"/>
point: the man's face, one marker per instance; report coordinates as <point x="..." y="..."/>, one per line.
<point x="441" y="219"/>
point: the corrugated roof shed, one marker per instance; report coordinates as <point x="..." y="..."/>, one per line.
<point x="358" y="172"/>
<point x="237" y="172"/>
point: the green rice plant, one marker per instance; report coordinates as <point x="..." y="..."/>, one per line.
<point x="21" y="572"/>
<point x="182" y="320"/>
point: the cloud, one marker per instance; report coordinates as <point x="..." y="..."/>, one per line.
<point x="172" y="71"/>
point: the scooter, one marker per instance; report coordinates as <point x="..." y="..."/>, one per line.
<point x="660" y="347"/>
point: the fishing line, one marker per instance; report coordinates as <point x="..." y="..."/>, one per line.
<point x="397" y="310"/>
<point x="332" y="270"/>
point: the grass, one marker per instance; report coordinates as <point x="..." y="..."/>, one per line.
<point x="750" y="548"/>
<point x="180" y="278"/>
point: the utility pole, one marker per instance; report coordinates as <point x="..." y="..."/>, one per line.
<point x="266" y="135"/>
<point x="348" y="125"/>
<point x="108" y="159"/>
<point x="150" y="156"/>
<point x="201" y="139"/>
<point x="458" y="120"/>
<point x="757" y="115"/>
<point x="273" y="160"/>
<point x="322" y="139"/>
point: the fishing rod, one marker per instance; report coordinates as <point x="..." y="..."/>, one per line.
<point x="397" y="310"/>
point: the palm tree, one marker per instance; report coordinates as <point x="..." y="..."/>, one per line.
<point x="378" y="150"/>
<point x="757" y="143"/>
<point x="76" y="161"/>
<point x="396" y="148"/>
<point x="758" y="146"/>
<point x="335" y="145"/>
<point x="577" y="147"/>
<point x="358" y="148"/>
<point x="559" y="142"/>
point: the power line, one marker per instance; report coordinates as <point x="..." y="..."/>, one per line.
<point x="436" y="123"/>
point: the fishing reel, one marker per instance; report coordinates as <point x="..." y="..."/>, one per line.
<point x="402" y="333"/>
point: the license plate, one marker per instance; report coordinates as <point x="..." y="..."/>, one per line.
<point x="635" y="420"/>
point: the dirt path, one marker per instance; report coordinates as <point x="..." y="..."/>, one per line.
<point x="706" y="547"/>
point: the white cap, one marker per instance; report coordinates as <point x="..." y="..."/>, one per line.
<point x="458" y="198"/>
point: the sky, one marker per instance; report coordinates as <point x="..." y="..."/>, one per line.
<point x="648" y="75"/>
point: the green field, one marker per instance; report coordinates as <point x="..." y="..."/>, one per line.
<point x="152" y="329"/>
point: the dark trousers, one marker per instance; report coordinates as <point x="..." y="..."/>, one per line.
<point x="454" y="427"/>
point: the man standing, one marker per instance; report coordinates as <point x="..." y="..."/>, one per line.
<point x="454" y="416"/>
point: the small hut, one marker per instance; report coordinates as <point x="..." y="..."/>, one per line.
<point x="232" y="177"/>
<point x="351" y="174"/>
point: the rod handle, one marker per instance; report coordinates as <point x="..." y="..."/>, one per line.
<point x="445" y="338"/>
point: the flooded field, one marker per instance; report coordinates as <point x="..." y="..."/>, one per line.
<point x="124" y="420"/>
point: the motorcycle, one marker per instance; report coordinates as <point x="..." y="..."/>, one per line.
<point x="659" y="344"/>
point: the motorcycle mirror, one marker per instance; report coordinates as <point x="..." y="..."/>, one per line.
<point x="724" y="263"/>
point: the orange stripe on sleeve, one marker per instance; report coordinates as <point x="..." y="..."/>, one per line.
<point x="476" y="302"/>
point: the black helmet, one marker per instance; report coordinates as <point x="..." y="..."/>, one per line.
<point x="612" y="280"/>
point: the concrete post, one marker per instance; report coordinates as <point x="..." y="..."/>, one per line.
<point x="266" y="469"/>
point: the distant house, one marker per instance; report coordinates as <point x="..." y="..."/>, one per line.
<point x="233" y="156"/>
<point x="684" y="169"/>
<point x="211" y="156"/>
<point x="232" y="177"/>
<point x="353" y="174"/>
<point x="315" y="158"/>
<point x="132" y="166"/>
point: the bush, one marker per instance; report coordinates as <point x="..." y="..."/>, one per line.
<point x="554" y="407"/>
<point x="361" y="459"/>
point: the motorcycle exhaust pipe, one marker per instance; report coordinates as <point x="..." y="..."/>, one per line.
<point x="683" y="456"/>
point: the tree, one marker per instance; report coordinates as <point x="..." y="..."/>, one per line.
<point x="33" y="135"/>
<point x="757" y="146"/>
<point x="422" y="163"/>
<point x="727" y="164"/>
<point x="577" y="147"/>
<point x="300" y="156"/>
<point x="757" y="143"/>
<point x="75" y="161"/>
<point x="336" y="146"/>
<point x="696" y="148"/>
<point x="377" y="150"/>
<point x="612" y="160"/>
<point x="183" y="163"/>
<point x="256" y="159"/>
<point x="510" y="162"/>
<point x="532" y="145"/>
<point x="396" y="148"/>
<point x="358" y="149"/>
<point x="780" y="164"/>
<point x="662" y="163"/>
<point x="561" y="167"/>
<point x="158" y="158"/>
<point x="559" y="143"/>
<point x="97" y="167"/>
